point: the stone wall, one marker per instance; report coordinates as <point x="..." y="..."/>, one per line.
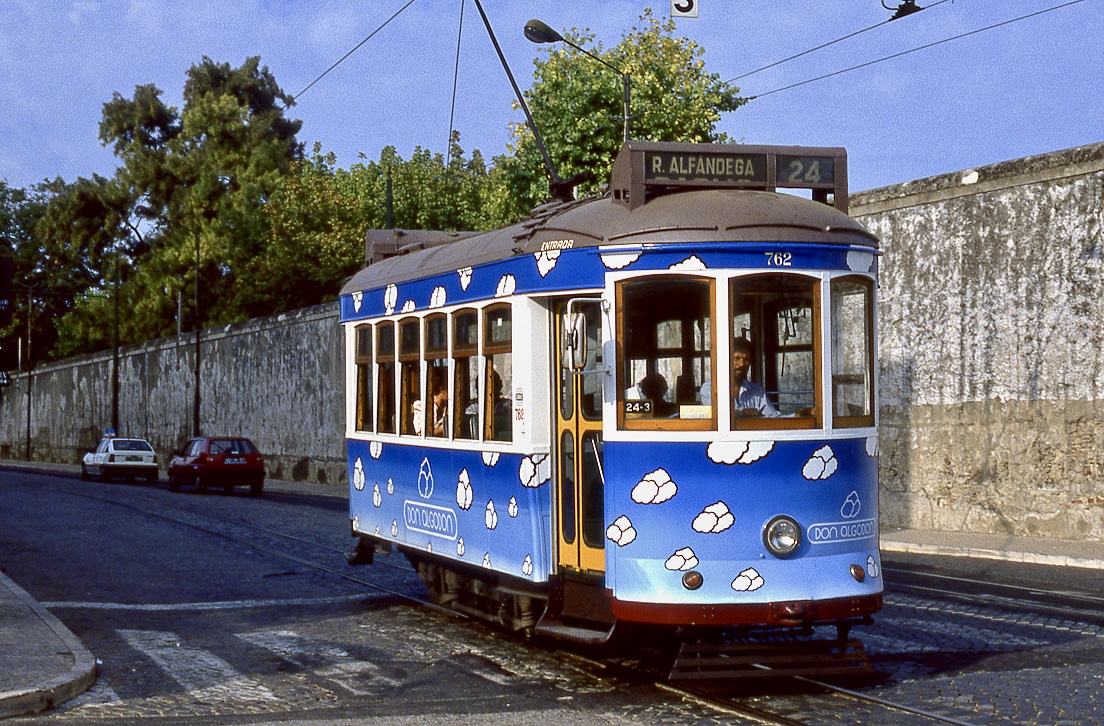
<point x="277" y="380"/>
<point x="992" y="362"/>
<point x="992" y="347"/>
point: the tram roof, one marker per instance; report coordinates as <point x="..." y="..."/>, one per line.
<point x="699" y="215"/>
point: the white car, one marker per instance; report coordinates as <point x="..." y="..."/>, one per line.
<point x="125" y="458"/>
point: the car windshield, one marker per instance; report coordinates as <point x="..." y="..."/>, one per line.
<point x="132" y="445"/>
<point x="233" y="446"/>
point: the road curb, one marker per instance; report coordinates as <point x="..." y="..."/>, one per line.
<point x="79" y="678"/>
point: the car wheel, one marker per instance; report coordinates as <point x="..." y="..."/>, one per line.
<point x="85" y="476"/>
<point x="256" y="488"/>
<point x="174" y="485"/>
<point x="201" y="486"/>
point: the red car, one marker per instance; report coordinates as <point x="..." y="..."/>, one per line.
<point x="211" y="461"/>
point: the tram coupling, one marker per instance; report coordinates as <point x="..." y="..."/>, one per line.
<point x="731" y="660"/>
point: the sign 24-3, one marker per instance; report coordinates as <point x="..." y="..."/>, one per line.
<point x="684" y="8"/>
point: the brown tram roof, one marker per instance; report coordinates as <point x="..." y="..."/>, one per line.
<point x="712" y="215"/>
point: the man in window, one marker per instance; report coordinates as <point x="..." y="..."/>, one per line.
<point x="750" y="399"/>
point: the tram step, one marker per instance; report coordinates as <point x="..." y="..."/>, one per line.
<point x="729" y="660"/>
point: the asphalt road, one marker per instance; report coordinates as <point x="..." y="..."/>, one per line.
<point x="234" y="609"/>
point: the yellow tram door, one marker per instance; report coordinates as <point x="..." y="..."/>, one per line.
<point x="579" y="472"/>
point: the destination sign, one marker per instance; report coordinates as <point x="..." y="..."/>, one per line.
<point x="678" y="166"/>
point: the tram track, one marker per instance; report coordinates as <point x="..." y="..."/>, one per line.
<point x="313" y="554"/>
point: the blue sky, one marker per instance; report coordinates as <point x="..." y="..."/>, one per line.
<point x="1026" y="88"/>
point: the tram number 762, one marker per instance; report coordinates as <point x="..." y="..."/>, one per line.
<point x="779" y="259"/>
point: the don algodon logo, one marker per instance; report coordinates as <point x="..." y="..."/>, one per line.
<point x="425" y="480"/>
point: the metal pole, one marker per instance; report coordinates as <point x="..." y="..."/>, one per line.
<point x="627" y="82"/>
<point x="30" y="364"/>
<point x="115" y="354"/>
<point x="195" y="406"/>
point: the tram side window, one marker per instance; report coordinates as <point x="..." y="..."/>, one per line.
<point x="498" y="412"/>
<point x="410" y="363"/>
<point x="665" y="325"/>
<point x="436" y="344"/>
<point x="363" y="361"/>
<point x="775" y="351"/>
<point x="852" y="352"/>
<point x="465" y="373"/>
<point x="385" y="355"/>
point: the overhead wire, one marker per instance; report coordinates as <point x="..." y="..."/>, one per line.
<point x="455" y="77"/>
<point x="913" y="50"/>
<point x="354" y="50"/>
<point x="825" y="45"/>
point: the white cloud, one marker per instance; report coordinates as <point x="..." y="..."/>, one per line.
<point x="390" y="298"/>
<point x="490" y="517"/>
<point x="535" y="470"/>
<point x="690" y="264"/>
<point x="851" y="506"/>
<point x="390" y="486"/>
<point x="738" y="452"/>
<point x="394" y="528"/>
<point x="465" y="274"/>
<point x="872" y="568"/>
<point x="429" y="547"/>
<point x="358" y="475"/>
<point x="747" y="581"/>
<point x="654" y="488"/>
<point x="464" y="490"/>
<point x="408" y="307"/>
<point x="546" y="261"/>
<point x="527" y="566"/>
<point x="512" y="509"/>
<point x="375" y="449"/>
<point x="682" y="560"/>
<point x="460" y="547"/>
<point x="506" y="286"/>
<point x="377" y="497"/>
<point x="356" y="523"/>
<point x="621" y="532"/>
<point x="860" y="261"/>
<point x="619" y="260"/>
<point x="487" y="560"/>
<point x="714" y="518"/>
<point x="872" y="446"/>
<point x="358" y="297"/>
<point x="490" y="458"/>
<point x="821" y="465"/>
<point x="437" y="299"/>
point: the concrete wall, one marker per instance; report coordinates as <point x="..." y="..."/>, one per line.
<point x="992" y="347"/>
<point x="277" y="380"/>
<point x="992" y="362"/>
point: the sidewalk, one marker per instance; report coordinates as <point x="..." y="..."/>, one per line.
<point x="42" y="664"/>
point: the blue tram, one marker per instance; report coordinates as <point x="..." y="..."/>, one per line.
<point x="652" y="407"/>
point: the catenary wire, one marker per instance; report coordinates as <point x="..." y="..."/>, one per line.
<point x="455" y="77"/>
<point x="354" y="50"/>
<point x="913" y="50"/>
<point x="823" y="45"/>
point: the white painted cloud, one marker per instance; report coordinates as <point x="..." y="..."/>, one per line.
<point x="408" y="307"/>
<point x="394" y="528"/>
<point x="872" y="568"/>
<point x="376" y="531"/>
<point x="546" y="261"/>
<point x="851" y="506"/>
<point x="872" y="446"/>
<point x="429" y="547"/>
<point x="464" y="490"/>
<point x="390" y="486"/>
<point x="714" y="518"/>
<point x="527" y="566"/>
<point x="358" y="475"/>
<point x="358" y="298"/>
<point x="490" y="458"/>
<point x="747" y="581"/>
<point x="535" y="470"/>
<point x="487" y="560"/>
<point x="860" y="261"/>
<point x="490" y="517"/>
<point x="437" y="299"/>
<point x="460" y="547"/>
<point x="512" y="509"/>
<point x="682" y="560"/>
<point x="821" y="465"/>
<point x="619" y="260"/>
<point x="621" y="532"/>
<point x="377" y="496"/>
<point x="690" y="264"/>
<point x="390" y="298"/>
<point x="375" y="449"/>
<point x="654" y="488"/>
<point x="738" y="452"/>
<point x="356" y="523"/>
<point x="506" y="286"/>
<point x="465" y="274"/>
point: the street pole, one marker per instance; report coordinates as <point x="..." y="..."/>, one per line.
<point x="115" y="354"/>
<point x="195" y="406"/>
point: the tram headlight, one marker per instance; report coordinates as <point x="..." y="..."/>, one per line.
<point x="782" y="536"/>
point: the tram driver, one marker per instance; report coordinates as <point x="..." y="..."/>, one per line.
<point x="750" y="399"/>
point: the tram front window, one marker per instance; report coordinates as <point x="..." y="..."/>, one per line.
<point x="775" y="351"/>
<point x="666" y="325"/>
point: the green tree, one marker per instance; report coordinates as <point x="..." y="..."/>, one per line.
<point x="577" y="103"/>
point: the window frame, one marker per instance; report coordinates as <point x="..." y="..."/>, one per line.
<point x="870" y="336"/>
<point x="383" y="358"/>
<point x="490" y="349"/>
<point x="469" y="351"/>
<point x="364" y="376"/>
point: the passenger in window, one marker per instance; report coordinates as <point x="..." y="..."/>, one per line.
<point x="416" y="417"/>
<point x="652" y="387"/>
<point x="750" y="398"/>
<point x="440" y="408"/>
